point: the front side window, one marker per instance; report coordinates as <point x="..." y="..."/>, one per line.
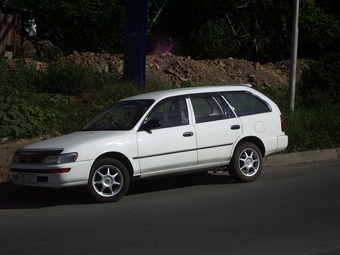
<point x="245" y="103"/>
<point x="210" y="108"/>
<point x="171" y="112"/>
<point x="122" y="116"/>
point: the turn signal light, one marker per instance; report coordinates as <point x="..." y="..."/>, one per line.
<point x="59" y="171"/>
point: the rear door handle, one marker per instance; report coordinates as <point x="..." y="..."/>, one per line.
<point x="187" y="134"/>
<point x="234" y="127"/>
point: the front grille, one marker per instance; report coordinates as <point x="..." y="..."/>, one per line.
<point x="30" y="160"/>
<point x="35" y="156"/>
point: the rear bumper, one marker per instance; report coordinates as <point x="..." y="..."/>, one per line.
<point x="282" y="143"/>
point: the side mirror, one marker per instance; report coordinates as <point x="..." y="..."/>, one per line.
<point x="151" y="124"/>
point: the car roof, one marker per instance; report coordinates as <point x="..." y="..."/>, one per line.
<point x="158" y="95"/>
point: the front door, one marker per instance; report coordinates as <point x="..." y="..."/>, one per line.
<point x="170" y="148"/>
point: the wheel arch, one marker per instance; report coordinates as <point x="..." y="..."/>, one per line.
<point x="255" y="140"/>
<point x="121" y="157"/>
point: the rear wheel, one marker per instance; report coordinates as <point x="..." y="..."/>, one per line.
<point x="246" y="163"/>
<point x="109" y="180"/>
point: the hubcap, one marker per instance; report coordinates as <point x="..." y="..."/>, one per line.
<point x="107" y="181"/>
<point x="249" y="162"/>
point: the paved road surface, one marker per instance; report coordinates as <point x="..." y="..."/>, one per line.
<point x="293" y="209"/>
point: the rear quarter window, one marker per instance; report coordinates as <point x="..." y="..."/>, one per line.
<point x="245" y="103"/>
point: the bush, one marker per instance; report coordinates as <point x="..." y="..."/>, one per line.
<point x="67" y="104"/>
<point x="312" y="129"/>
<point x="61" y="100"/>
<point x="310" y="126"/>
<point x="5" y="77"/>
<point x="24" y="115"/>
<point x="320" y="84"/>
<point x="65" y="78"/>
<point x="24" y="78"/>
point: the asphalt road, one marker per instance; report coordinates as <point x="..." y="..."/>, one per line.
<point x="292" y="209"/>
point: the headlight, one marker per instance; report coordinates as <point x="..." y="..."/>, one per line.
<point x="60" y="159"/>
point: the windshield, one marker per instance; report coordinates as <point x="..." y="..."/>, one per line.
<point x="122" y="116"/>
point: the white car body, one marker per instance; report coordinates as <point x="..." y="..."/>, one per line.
<point x="186" y="148"/>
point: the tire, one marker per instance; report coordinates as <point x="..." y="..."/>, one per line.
<point x="246" y="163"/>
<point x="109" y="180"/>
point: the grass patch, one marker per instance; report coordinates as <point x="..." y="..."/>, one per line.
<point x="309" y="126"/>
<point x="66" y="97"/>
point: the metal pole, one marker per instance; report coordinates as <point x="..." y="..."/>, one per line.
<point x="293" y="56"/>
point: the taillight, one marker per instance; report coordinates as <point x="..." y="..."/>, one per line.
<point x="282" y="124"/>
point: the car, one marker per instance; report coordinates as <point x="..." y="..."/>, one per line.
<point x="169" y="132"/>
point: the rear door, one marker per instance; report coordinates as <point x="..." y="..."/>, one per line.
<point x="217" y="128"/>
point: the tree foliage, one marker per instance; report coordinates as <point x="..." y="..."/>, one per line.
<point x="82" y="25"/>
<point x="319" y="28"/>
<point x="322" y="81"/>
<point x="258" y="30"/>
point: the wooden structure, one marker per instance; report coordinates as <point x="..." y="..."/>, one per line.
<point x="8" y="31"/>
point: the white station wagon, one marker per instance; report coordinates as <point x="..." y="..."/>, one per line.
<point x="155" y="134"/>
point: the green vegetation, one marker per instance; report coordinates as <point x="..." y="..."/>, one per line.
<point x="61" y="100"/>
<point x="257" y="30"/>
<point x="309" y="127"/>
<point x="65" y="97"/>
<point x="314" y="124"/>
<point x="82" y="25"/>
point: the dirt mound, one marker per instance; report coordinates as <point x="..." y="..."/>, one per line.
<point x="174" y="70"/>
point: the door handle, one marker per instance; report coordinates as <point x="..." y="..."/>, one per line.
<point x="188" y="134"/>
<point x="234" y="127"/>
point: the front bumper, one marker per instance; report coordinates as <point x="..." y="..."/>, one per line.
<point x="55" y="176"/>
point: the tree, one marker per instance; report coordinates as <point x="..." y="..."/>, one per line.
<point x="254" y="29"/>
<point x="82" y="25"/>
<point x="258" y="30"/>
<point x="319" y="28"/>
<point x="320" y="84"/>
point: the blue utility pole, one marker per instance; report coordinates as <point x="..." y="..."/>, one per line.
<point x="135" y="41"/>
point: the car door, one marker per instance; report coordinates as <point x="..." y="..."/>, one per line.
<point x="217" y="128"/>
<point x="170" y="147"/>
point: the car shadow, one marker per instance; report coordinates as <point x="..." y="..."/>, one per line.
<point x="20" y="197"/>
<point x="179" y="181"/>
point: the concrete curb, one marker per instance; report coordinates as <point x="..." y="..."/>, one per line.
<point x="301" y="157"/>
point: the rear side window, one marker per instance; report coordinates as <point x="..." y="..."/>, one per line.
<point x="246" y="103"/>
<point x="210" y="108"/>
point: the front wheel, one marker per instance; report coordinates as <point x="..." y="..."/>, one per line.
<point x="109" y="180"/>
<point x="246" y="163"/>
